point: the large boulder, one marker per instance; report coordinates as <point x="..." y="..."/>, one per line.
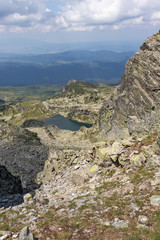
<point x="25" y="234"/>
<point x="134" y="110"/>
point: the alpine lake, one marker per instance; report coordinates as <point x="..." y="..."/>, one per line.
<point x="65" y="123"/>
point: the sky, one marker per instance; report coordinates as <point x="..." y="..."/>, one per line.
<point x="59" y="21"/>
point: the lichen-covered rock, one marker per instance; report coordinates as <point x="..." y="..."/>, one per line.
<point x="93" y="169"/>
<point x="142" y="219"/>
<point x="58" y="161"/>
<point x="102" y="154"/>
<point x="155" y="200"/>
<point x="27" y="197"/>
<point x="109" y="154"/>
<point x="137" y="160"/>
<point x="142" y="226"/>
<point x="135" y="206"/>
<point x="25" y="234"/>
<point x="135" y="110"/>
<point x="120" y="224"/>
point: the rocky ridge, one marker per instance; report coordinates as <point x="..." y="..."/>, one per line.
<point x="134" y="110"/>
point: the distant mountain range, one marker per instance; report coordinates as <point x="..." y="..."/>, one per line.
<point x="79" y="56"/>
<point x="95" y="66"/>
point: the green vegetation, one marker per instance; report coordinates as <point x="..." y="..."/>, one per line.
<point x="141" y="175"/>
<point x="106" y="186"/>
<point x="25" y="110"/>
<point x="26" y="93"/>
<point x="72" y="205"/>
<point x="92" y="91"/>
<point x="79" y="87"/>
<point x="150" y="139"/>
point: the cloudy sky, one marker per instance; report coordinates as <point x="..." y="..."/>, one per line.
<point x="79" y="20"/>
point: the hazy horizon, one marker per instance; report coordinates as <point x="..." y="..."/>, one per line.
<point x="39" y="26"/>
<point x="35" y="47"/>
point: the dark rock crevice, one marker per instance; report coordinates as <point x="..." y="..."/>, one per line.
<point x="8" y="183"/>
<point x="10" y="189"/>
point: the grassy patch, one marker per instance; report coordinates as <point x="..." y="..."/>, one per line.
<point x="82" y="196"/>
<point x="109" y="172"/>
<point x="150" y="139"/>
<point x="27" y="93"/>
<point x="54" y="192"/>
<point x="105" y="186"/>
<point x="142" y="174"/>
<point x="72" y="205"/>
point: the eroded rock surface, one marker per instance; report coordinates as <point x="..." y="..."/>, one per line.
<point x="21" y="155"/>
<point x="134" y="110"/>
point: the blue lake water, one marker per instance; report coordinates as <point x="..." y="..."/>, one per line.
<point x="65" y="123"/>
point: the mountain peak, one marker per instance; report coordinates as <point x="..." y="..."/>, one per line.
<point x="152" y="43"/>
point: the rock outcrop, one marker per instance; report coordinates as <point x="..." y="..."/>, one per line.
<point x="22" y="157"/>
<point x="25" y="234"/>
<point x="135" y="110"/>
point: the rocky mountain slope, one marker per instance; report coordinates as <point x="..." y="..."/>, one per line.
<point x="134" y="110"/>
<point x="93" y="184"/>
<point x="26" y="141"/>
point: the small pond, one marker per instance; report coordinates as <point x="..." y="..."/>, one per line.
<point x="65" y="123"/>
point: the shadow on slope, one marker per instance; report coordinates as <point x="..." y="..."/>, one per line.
<point x="22" y="157"/>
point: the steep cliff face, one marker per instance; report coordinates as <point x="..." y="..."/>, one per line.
<point x="134" y="110"/>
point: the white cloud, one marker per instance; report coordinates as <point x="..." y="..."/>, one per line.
<point x="77" y="15"/>
<point x="9" y="7"/>
<point x="21" y="15"/>
<point x="113" y="13"/>
<point x="155" y="16"/>
<point x="2" y="28"/>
